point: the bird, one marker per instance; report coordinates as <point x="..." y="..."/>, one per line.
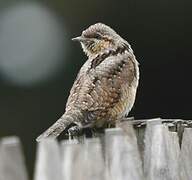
<point x="105" y="88"/>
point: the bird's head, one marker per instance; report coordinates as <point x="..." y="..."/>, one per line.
<point x="99" y="38"/>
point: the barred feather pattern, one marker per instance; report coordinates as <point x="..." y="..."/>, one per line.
<point x="104" y="90"/>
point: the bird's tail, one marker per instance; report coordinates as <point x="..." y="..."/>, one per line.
<point x="62" y="124"/>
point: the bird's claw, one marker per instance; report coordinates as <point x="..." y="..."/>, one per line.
<point x="74" y="131"/>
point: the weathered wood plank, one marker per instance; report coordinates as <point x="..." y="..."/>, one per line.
<point x="147" y="144"/>
<point x="186" y="155"/>
<point x="73" y="161"/>
<point x="83" y="161"/>
<point x="161" y="151"/>
<point x="173" y="153"/>
<point x="140" y="129"/>
<point x="48" y="161"/>
<point x="12" y="165"/>
<point x="108" y="154"/>
<point x="125" y="158"/>
<point x="95" y="167"/>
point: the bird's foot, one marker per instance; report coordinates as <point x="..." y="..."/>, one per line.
<point x="75" y="131"/>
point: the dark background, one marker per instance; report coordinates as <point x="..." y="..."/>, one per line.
<point x="160" y="35"/>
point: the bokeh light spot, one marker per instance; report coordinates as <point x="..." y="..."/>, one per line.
<point x="32" y="44"/>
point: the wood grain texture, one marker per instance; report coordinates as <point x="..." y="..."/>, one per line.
<point x="161" y="154"/>
<point x="12" y="165"/>
<point x="48" y="161"/>
<point x="186" y="155"/>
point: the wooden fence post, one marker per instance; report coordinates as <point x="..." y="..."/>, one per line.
<point x="160" y="153"/>
<point x="48" y="161"/>
<point x="73" y="161"/>
<point x="124" y="156"/>
<point x="95" y="167"/>
<point x="173" y="153"/>
<point x="108" y="153"/>
<point x="186" y="155"/>
<point x="147" y="145"/>
<point x="12" y="166"/>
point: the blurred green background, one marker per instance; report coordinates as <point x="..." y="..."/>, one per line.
<point x="39" y="62"/>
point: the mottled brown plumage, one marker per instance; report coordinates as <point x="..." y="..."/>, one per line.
<point x="106" y="85"/>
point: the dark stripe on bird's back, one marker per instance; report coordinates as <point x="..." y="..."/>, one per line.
<point x="101" y="57"/>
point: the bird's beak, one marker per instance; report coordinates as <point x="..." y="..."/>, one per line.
<point x="79" y="39"/>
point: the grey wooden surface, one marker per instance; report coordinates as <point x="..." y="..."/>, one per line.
<point x="186" y="155"/>
<point x="12" y="165"/>
<point x="48" y="161"/>
<point x="156" y="149"/>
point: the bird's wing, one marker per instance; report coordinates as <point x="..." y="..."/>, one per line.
<point x="98" y="89"/>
